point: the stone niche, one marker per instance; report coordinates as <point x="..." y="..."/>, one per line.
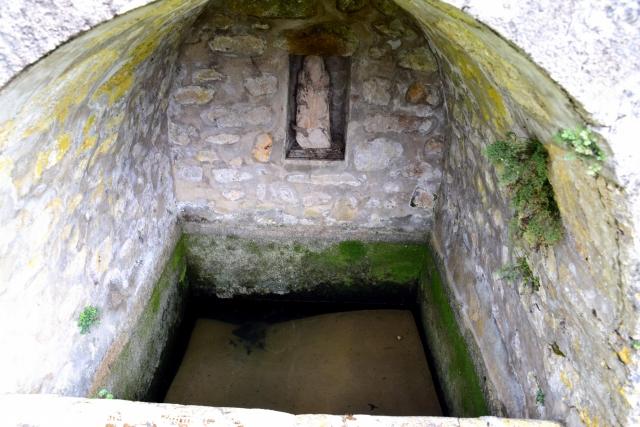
<point x="241" y="94"/>
<point x="317" y="107"/>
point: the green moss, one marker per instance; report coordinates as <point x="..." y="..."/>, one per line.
<point x="386" y="7"/>
<point x="352" y="250"/>
<point x="520" y="270"/>
<point x="342" y="269"/>
<point x="455" y="370"/>
<point x="398" y="263"/>
<point x="524" y="173"/>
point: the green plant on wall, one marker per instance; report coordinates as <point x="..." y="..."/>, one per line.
<point x="523" y="171"/>
<point x="540" y="397"/>
<point x="88" y="317"/>
<point x="520" y="270"/>
<point x="105" y="394"/>
<point x="584" y="143"/>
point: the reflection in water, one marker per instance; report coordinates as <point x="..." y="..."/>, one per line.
<point x="356" y="362"/>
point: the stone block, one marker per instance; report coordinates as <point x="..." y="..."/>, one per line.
<point x="376" y="154"/>
<point x="243" y="45"/>
<point x="260" y="86"/>
<point x="222" y="139"/>
<point x="262" y="147"/>
<point x="193" y="95"/>
<point x="377" y="91"/>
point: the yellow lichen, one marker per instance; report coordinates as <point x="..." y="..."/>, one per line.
<point x="74" y="202"/>
<point x="89" y="142"/>
<point x="565" y="380"/>
<point x="64" y="142"/>
<point x="6" y="165"/>
<point x="6" y="131"/>
<point x="42" y="162"/>
<point x="624" y="355"/>
<point x="88" y="125"/>
<point x="587" y="420"/>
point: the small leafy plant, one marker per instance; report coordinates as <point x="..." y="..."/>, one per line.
<point x="520" y="270"/>
<point x="540" y="397"/>
<point x="88" y="317"/>
<point x="584" y="144"/>
<point x="523" y="171"/>
<point x="105" y="394"/>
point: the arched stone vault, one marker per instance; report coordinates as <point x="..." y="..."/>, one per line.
<point x="86" y="187"/>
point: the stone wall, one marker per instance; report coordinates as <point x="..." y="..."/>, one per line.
<point x="228" y="123"/>
<point x="18" y="410"/>
<point x="570" y="341"/>
<point x="573" y="340"/>
<point x="304" y="267"/>
<point x="87" y="213"/>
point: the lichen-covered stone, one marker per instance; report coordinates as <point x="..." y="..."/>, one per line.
<point x="274" y="8"/>
<point x="393" y="29"/>
<point x="180" y="134"/>
<point x="386" y="7"/>
<point x="419" y="93"/>
<point x="392" y="123"/>
<point x="194" y="95"/>
<point x="418" y="59"/>
<point x="422" y="198"/>
<point x="260" y="86"/>
<point x="207" y="75"/>
<point x="234" y="265"/>
<point x="350" y="6"/>
<point x="242" y="45"/>
<point x="262" y="148"/>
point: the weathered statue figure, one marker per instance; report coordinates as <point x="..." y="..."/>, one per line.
<point x="313" y="126"/>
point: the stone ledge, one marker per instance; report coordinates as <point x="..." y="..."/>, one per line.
<point x="37" y="410"/>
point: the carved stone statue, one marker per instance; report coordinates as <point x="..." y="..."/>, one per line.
<point x="313" y="125"/>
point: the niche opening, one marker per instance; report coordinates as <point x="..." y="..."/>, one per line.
<point x="318" y="101"/>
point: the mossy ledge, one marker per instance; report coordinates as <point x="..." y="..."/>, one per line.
<point x="454" y="367"/>
<point x="229" y="265"/>
<point x="133" y="374"/>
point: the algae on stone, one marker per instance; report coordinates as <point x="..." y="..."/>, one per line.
<point x="455" y="370"/>
<point x="132" y="373"/>
<point x="227" y="266"/>
<point x="418" y="59"/>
